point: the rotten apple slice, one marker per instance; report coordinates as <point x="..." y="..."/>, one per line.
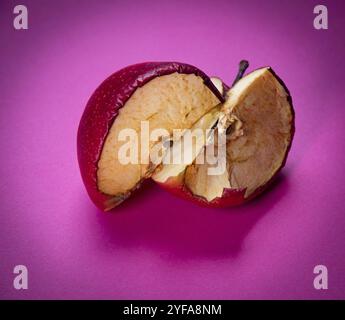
<point x="186" y="149"/>
<point x="258" y="121"/>
<point x="165" y="95"/>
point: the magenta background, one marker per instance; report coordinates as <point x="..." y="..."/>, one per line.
<point x="155" y="245"/>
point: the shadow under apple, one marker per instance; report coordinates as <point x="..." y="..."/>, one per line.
<point x="172" y="227"/>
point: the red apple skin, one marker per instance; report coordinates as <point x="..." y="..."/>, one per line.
<point x="103" y="108"/>
<point x="230" y="197"/>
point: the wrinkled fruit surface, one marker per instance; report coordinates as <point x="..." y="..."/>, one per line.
<point x="255" y="116"/>
<point x="258" y="139"/>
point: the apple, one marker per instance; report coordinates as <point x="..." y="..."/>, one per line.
<point x="255" y="117"/>
<point x="166" y="94"/>
<point x="258" y="120"/>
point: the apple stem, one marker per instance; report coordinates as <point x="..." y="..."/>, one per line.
<point x="244" y="64"/>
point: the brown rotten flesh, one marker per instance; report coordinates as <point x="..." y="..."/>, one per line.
<point x="258" y="119"/>
<point x="173" y="101"/>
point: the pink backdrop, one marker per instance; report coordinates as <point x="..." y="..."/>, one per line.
<point x="155" y="245"/>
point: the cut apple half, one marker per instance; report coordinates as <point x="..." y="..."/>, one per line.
<point x="258" y="120"/>
<point x="160" y="95"/>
